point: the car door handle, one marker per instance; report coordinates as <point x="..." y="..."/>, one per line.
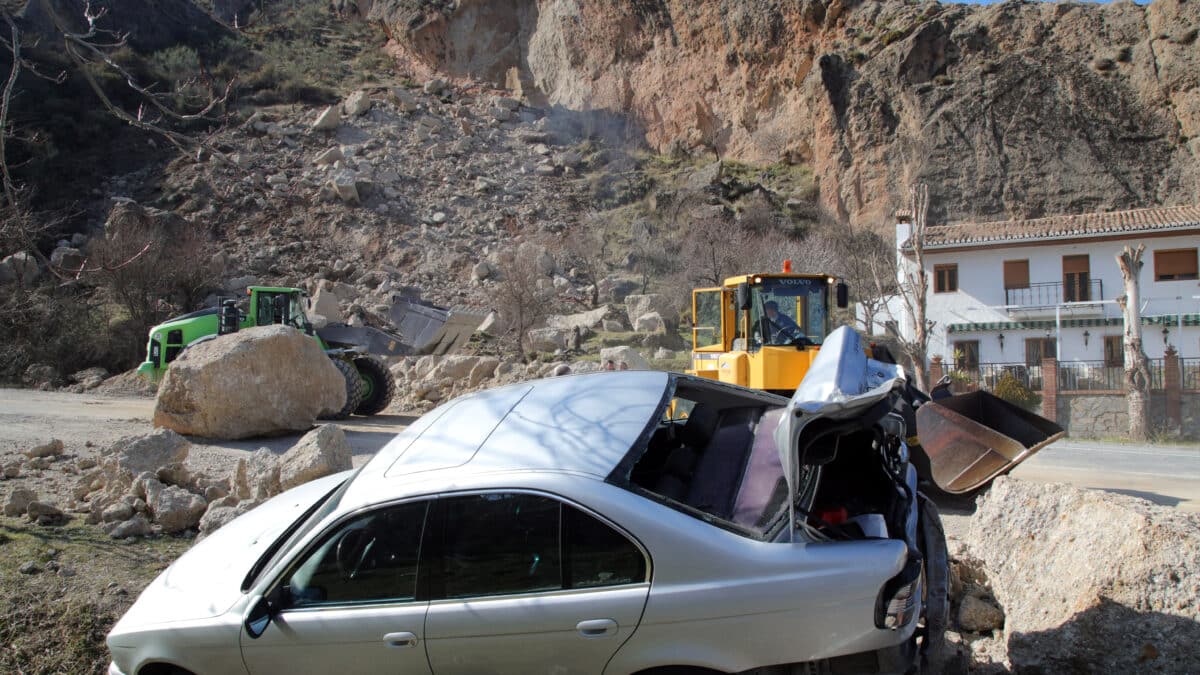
<point x="398" y="640"/>
<point x="597" y="628"/>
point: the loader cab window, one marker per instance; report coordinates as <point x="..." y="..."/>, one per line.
<point x="280" y="308"/>
<point x="789" y="311"/>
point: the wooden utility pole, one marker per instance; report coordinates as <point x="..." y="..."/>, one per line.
<point x="1137" y="370"/>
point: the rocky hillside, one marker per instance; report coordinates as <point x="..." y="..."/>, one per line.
<point x="1016" y="108"/>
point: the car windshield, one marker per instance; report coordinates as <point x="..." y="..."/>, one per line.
<point x="297" y="530"/>
<point x="790" y="311"/>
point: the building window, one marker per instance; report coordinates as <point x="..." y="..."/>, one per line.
<point x="1016" y="274"/>
<point x="945" y="278"/>
<point x="1114" y="351"/>
<point x="1175" y="265"/>
<point x="1076" y="275"/>
<point x="1037" y="349"/>
<point x="966" y="355"/>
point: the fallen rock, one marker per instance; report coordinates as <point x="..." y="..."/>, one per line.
<point x="136" y="526"/>
<point x="30" y="567"/>
<point x="1090" y="577"/>
<point x="216" y="517"/>
<point x="321" y="452"/>
<point x="549" y="339"/>
<point x="650" y="322"/>
<point x="12" y="470"/>
<point x="593" y="318"/>
<point x="257" y="478"/>
<point x="357" y="104"/>
<point x="979" y="614"/>
<point x="640" y="305"/>
<point x="53" y="448"/>
<point x="625" y="354"/>
<point x="328" y="120"/>
<point x="116" y="513"/>
<point x="345" y="185"/>
<point x="44" y="513"/>
<point x="404" y="101"/>
<point x="19" y="501"/>
<point x="174" y="509"/>
<point x="20" y="267"/>
<point x="258" y="381"/>
<point x="136" y="455"/>
<point x="330" y="156"/>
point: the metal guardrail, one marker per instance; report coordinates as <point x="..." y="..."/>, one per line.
<point x="1051" y="293"/>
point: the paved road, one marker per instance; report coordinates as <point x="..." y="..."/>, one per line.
<point x="1164" y="474"/>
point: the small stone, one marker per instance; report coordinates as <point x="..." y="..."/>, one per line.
<point x="439" y="218"/>
<point x="19" y="501"/>
<point x="30" y="567"/>
<point x="54" y="447"/>
<point x="979" y="615"/>
<point x="326" y="121"/>
<point x="357" y="104"/>
<point x="136" y="526"/>
<point x="434" y="86"/>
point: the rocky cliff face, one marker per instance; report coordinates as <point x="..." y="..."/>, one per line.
<point x="1019" y="108"/>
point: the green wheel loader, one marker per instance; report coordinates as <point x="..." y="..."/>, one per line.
<point x="355" y="350"/>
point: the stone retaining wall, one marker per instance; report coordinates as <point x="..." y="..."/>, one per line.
<point x="1097" y="415"/>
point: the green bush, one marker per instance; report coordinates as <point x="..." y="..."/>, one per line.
<point x="1014" y="391"/>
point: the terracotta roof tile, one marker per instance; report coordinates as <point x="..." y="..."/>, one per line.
<point x="1064" y="227"/>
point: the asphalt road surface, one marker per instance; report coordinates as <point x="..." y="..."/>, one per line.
<point x="1164" y="474"/>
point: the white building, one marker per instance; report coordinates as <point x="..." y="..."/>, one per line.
<point x="1015" y="291"/>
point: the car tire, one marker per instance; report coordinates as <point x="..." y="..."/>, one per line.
<point x="378" y="385"/>
<point x="936" y="610"/>
<point x="354" y="390"/>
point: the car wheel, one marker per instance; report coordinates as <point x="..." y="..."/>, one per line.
<point x="935" y="611"/>
<point x="378" y="385"/>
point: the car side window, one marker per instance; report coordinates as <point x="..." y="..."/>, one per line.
<point x="597" y="555"/>
<point x="506" y="543"/>
<point x="498" y="544"/>
<point x="370" y="559"/>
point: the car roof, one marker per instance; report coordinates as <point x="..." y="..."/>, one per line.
<point x="583" y="424"/>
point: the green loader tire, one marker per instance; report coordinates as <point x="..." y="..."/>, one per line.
<point x="378" y="385"/>
<point x="354" y="389"/>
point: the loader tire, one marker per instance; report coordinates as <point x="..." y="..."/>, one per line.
<point x="378" y="385"/>
<point x="354" y="390"/>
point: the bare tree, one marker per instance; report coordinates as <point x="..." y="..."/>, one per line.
<point x="1137" y="370"/>
<point x="714" y="247"/>
<point x="867" y="263"/>
<point x="651" y="257"/>
<point x="588" y="249"/>
<point x="912" y="287"/>
<point x="521" y="300"/>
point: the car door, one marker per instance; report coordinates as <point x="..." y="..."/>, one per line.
<point x="525" y="583"/>
<point x="350" y="602"/>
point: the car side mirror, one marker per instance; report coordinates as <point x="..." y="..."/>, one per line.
<point x="843" y="295"/>
<point x="258" y="617"/>
<point x="743" y="296"/>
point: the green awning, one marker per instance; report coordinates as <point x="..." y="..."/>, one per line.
<point x="1168" y="320"/>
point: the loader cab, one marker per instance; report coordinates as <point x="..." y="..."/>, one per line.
<point x="762" y="330"/>
<point x="284" y="306"/>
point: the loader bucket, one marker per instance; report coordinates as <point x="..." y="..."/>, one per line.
<point x="433" y="330"/>
<point x="972" y="438"/>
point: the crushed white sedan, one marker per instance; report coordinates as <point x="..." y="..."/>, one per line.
<point x="623" y="522"/>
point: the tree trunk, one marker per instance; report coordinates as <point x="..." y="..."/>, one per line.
<point x="918" y="349"/>
<point x="1137" y="370"/>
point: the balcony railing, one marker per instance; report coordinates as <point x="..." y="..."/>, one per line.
<point x="1051" y="293"/>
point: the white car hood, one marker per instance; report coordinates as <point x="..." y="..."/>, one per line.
<point x="206" y="581"/>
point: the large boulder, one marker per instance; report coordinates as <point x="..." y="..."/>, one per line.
<point x="322" y="451"/>
<point x="626" y="355"/>
<point x="18" y="501"/>
<point x="593" y="318"/>
<point x="550" y="339"/>
<point x="259" y="381"/>
<point x="637" y="306"/>
<point x="1089" y="577"/>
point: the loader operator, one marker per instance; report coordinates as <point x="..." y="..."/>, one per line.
<point x="778" y="328"/>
